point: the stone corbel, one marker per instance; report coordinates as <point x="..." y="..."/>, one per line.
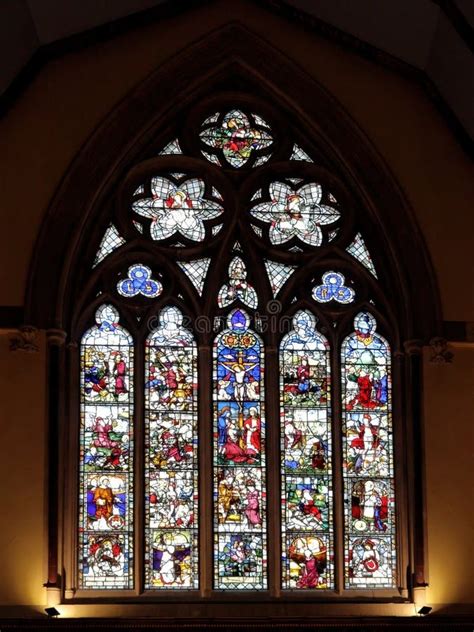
<point x="413" y="347"/>
<point x="56" y="337"/>
<point x="440" y="353"/>
<point x="25" y="339"/>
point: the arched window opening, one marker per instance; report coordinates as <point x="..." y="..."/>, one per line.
<point x="171" y="463"/>
<point x="306" y="448"/>
<point x="369" y="496"/>
<point x="240" y="549"/>
<point x="106" y="491"/>
<point x="233" y="214"/>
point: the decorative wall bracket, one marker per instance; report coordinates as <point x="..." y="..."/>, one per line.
<point x="25" y="339"/>
<point x="440" y="353"/>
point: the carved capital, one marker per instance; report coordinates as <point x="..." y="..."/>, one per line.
<point x="25" y="339"/>
<point x="56" y="337"/>
<point x="413" y="347"/>
<point x="440" y="353"/>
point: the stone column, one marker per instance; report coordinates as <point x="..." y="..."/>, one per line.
<point x="56" y="394"/>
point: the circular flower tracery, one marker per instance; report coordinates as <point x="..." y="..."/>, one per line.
<point x="177" y="208"/>
<point x="295" y="213"/>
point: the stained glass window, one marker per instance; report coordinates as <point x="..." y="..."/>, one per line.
<point x="299" y="154"/>
<point x="177" y="208"/>
<point x="278" y="273"/>
<point x="196" y="271"/>
<point x="171" y="148"/>
<point x="106" y="455"/>
<point x="110" y="242"/>
<point x="358" y="249"/>
<point x="333" y="288"/>
<point x="295" y="212"/>
<point x="171" y="474"/>
<point x="238" y="288"/>
<point x="245" y="254"/>
<point x="240" y="542"/>
<point x="306" y="455"/>
<point x="139" y="282"/>
<point x="370" y="558"/>
<point x="236" y="135"/>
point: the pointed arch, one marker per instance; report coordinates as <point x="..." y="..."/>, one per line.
<point x="137" y="182"/>
<point x="106" y="469"/>
<point x="77" y="210"/>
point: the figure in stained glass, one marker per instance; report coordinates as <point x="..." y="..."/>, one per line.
<point x="106" y="448"/>
<point x="171" y="499"/>
<point x="239" y="457"/>
<point x="305" y="441"/>
<point x="295" y="213"/>
<point x="238" y="369"/>
<point x="104" y="561"/>
<point x="239" y="499"/>
<point x="306" y="494"/>
<point x="172" y="563"/>
<point x="238" y="286"/>
<point x="106" y="502"/>
<point x="106" y="438"/>
<point x="307" y="503"/>
<point x="177" y="209"/>
<point x="171" y="439"/>
<point x="241" y="562"/>
<point x="307" y="562"/>
<point x="305" y="381"/>
<point x="170" y="380"/>
<point x="238" y="432"/>
<point x="368" y="457"/>
<point x="367" y="442"/>
<point x="236" y="136"/>
<point x="302" y="337"/>
<point x="171" y="477"/>
<point x="105" y="374"/>
<point x="370" y="505"/>
<point x="370" y="562"/>
<point x="366" y="358"/>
